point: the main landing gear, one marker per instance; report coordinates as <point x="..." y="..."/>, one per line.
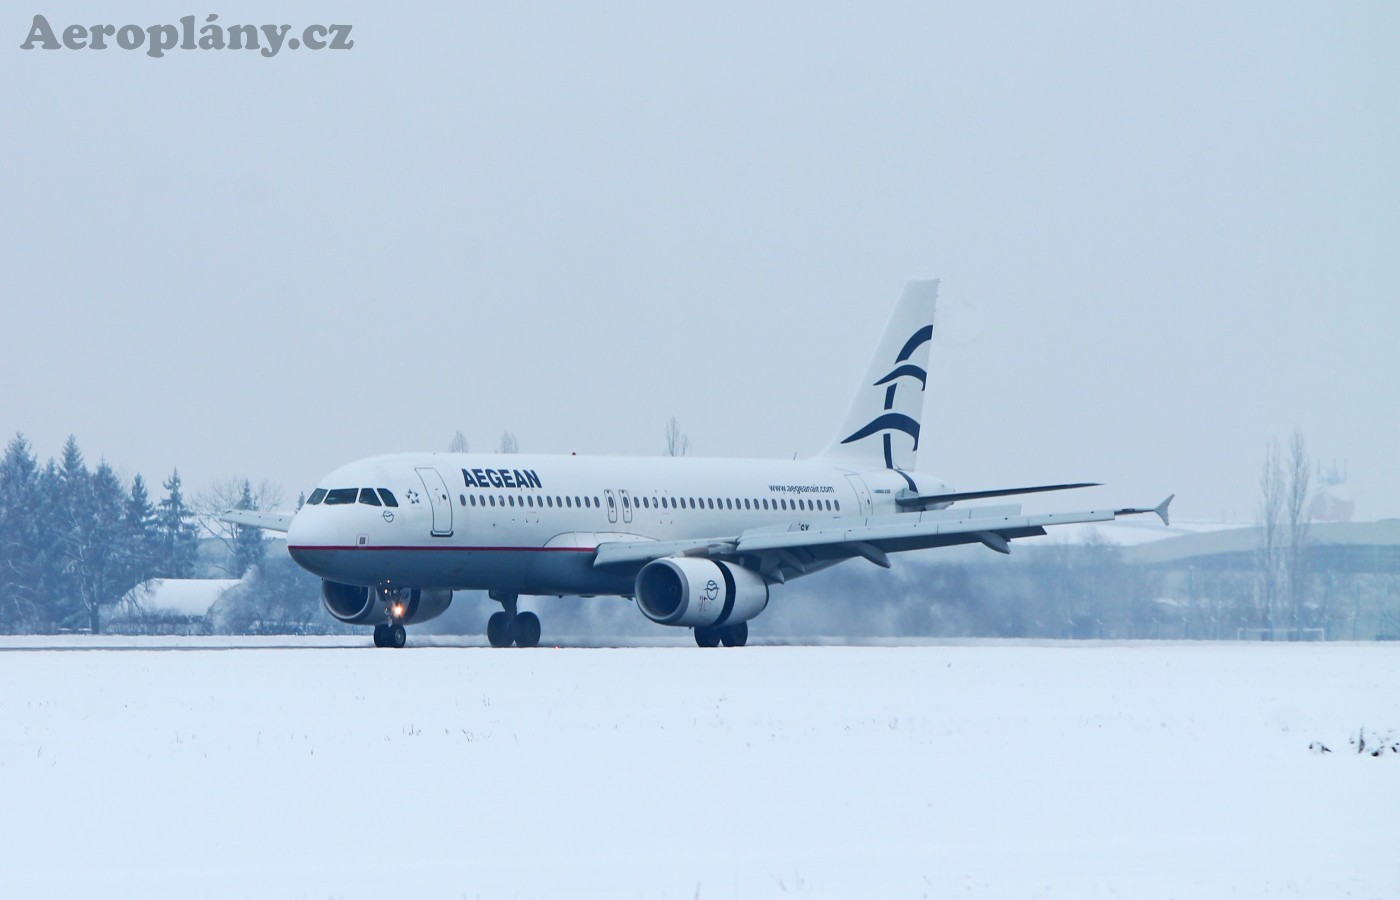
<point x="390" y="634"/>
<point x="728" y="635"/>
<point x="510" y="626"/>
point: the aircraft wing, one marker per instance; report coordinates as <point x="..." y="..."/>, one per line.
<point x="784" y="551"/>
<point x="256" y="518"/>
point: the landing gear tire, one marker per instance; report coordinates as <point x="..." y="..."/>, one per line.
<point x="735" y="635"/>
<point x="379" y="634"/>
<point x="395" y="636"/>
<point x="707" y="637"/>
<point x="498" y="630"/>
<point x="527" y="630"/>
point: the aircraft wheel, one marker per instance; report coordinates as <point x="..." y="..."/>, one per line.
<point x="395" y="636"/>
<point x="498" y="630"/>
<point x="707" y="637"/>
<point x="379" y="634"/>
<point x="527" y="630"/>
<point x="735" y="635"/>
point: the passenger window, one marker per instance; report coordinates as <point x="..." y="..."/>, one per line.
<point x="493" y="499"/>
<point x="838" y="505"/>
<point x="341" y="496"/>
<point x="530" y="501"/>
<point x="316" y="496"/>
<point x="549" y="502"/>
<point x="462" y="499"/>
<point x="388" y="497"/>
<point x="746" y="503"/>
<point x="473" y="499"/>
<point x="595" y="502"/>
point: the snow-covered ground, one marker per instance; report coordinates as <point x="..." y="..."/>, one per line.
<point x="324" y="768"/>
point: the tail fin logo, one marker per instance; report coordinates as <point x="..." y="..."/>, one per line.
<point x="893" y="421"/>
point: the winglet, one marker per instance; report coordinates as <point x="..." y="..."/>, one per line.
<point x="1161" y="509"/>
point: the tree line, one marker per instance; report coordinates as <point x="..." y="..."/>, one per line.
<point x="75" y="540"/>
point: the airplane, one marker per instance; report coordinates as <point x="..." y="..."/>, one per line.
<point x="695" y="543"/>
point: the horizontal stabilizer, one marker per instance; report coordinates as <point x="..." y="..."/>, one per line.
<point x="924" y="501"/>
<point x="256" y="518"/>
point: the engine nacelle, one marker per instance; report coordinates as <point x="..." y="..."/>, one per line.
<point x="353" y="604"/>
<point x="422" y="605"/>
<point x="356" y="604"/>
<point x="699" y="592"/>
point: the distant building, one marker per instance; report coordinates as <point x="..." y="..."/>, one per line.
<point x="166" y="606"/>
<point x="1353" y="547"/>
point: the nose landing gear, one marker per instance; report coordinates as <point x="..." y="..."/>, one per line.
<point x="390" y="634"/>
<point x="510" y="626"/>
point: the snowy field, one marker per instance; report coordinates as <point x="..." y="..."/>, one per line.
<point x="324" y="768"/>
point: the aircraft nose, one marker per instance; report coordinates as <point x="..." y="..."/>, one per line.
<point x="306" y="531"/>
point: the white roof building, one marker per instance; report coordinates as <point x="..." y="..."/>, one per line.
<point x="167" y="601"/>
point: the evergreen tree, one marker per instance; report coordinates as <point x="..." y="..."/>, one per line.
<point x="139" y="532"/>
<point x="70" y="531"/>
<point x="177" y="537"/>
<point x="21" y="544"/>
<point x="98" y="554"/>
<point x="249" y="546"/>
<point x="49" y="520"/>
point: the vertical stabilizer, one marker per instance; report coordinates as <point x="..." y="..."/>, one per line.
<point x="882" y="426"/>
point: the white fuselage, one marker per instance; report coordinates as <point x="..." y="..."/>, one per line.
<point x="530" y="523"/>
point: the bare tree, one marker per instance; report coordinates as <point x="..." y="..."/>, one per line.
<point x="677" y="442"/>
<point x="1299" y="486"/>
<point x="508" y="443"/>
<point x="1271" y="491"/>
<point x="227" y="494"/>
<point x="459" y="443"/>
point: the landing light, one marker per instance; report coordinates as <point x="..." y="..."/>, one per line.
<point x="398" y="610"/>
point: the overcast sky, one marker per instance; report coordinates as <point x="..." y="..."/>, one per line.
<point x="1165" y="234"/>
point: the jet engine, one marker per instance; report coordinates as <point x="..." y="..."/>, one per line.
<point x="699" y="592"/>
<point x="356" y="604"/>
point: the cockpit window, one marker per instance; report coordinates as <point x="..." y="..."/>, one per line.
<point x="388" y="497"/>
<point x="316" y="496"/>
<point x="369" y="497"/>
<point x="341" y="496"/>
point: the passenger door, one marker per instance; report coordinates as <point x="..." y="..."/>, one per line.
<point x="626" y="506"/>
<point x="612" y="506"/>
<point x="438" y="499"/>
